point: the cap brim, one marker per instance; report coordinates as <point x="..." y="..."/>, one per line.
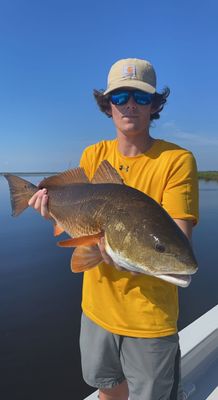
<point x="131" y="83"/>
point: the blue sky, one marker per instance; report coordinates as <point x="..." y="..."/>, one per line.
<point x="54" y="53"/>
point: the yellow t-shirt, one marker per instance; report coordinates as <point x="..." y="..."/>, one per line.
<point x="141" y="306"/>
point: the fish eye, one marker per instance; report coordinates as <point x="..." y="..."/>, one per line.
<point x="159" y="247"/>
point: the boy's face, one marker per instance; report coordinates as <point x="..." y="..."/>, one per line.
<point x="131" y="119"/>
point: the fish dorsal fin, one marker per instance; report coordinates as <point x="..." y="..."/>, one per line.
<point x="106" y="174"/>
<point x="75" y="175"/>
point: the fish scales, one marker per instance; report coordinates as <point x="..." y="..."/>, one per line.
<point x="139" y="234"/>
<point x="83" y="210"/>
<point x="103" y="207"/>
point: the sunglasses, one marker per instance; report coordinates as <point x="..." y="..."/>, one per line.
<point x="121" y="97"/>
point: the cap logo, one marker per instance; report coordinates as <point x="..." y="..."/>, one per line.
<point x="129" y="71"/>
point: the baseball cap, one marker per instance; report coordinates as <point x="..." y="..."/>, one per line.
<point x="133" y="73"/>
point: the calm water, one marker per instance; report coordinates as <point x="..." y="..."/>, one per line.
<point x="40" y="301"/>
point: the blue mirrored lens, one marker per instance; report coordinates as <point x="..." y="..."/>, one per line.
<point x="142" y="98"/>
<point x="120" y="98"/>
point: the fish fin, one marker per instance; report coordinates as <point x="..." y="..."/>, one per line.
<point x="91" y="240"/>
<point x="106" y="174"/>
<point x="76" y="175"/>
<point x="20" y="191"/>
<point x="58" y="230"/>
<point x="85" y="258"/>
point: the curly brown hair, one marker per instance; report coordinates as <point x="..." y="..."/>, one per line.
<point x="158" y="101"/>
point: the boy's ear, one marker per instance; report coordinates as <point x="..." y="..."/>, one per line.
<point x="153" y="109"/>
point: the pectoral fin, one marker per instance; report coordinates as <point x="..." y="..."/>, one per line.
<point x="85" y="258"/>
<point x="91" y="240"/>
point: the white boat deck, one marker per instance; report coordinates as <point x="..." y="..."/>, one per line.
<point x="199" y="349"/>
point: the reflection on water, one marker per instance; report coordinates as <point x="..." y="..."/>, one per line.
<point x="40" y="301"/>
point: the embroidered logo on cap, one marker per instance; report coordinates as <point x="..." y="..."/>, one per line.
<point x="129" y="71"/>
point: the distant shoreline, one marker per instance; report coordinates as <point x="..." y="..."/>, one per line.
<point x="205" y="175"/>
<point x="208" y="175"/>
<point x="29" y="173"/>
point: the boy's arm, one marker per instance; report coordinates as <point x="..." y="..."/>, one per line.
<point x="186" y="226"/>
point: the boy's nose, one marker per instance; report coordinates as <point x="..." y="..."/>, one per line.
<point x="131" y="102"/>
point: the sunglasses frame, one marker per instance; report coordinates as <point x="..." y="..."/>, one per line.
<point x="128" y="93"/>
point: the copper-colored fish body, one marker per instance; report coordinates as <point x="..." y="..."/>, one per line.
<point x="139" y="234"/>
<point x="80" y="209"/>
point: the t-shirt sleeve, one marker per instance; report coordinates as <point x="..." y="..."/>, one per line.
<point x="92" y="156"/>
<point x="180" y="196"/>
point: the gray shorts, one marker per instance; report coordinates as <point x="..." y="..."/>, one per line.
<point x="150" y="366"/>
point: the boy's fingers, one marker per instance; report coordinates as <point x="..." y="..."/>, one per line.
<point x="101" y="244"/>
<point x="31" y="201"/>
<point x="105" y="256"/>
<point x="44" y="207"/>
<point x="38" y="201"/>
<point x="109" y="260"/>
<point x="36" y="195"/>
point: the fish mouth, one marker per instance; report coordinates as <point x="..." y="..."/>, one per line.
<point x="176" y="279"/>
<point x="180" y="278"/>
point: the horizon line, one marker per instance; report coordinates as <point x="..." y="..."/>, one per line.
<point x="30" y="173"/>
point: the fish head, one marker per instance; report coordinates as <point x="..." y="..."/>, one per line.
<point x="171" y="254"/>
<point x="160" y="250"/>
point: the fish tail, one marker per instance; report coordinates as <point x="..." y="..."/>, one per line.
<point x="20" y="191"/>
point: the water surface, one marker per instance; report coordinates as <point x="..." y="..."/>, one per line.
<point x="40" y="301"/>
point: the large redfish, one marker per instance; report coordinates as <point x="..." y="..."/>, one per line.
<point x="139" y="234"/>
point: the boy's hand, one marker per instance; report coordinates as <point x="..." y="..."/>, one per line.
<point x="108" y="260"/>
<point x="39" y="201"/>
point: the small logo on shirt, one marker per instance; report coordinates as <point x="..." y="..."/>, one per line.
<point x="123" y="168"/>
<point x="129" y="71"/>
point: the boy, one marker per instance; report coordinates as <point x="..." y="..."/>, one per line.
<point x="129" y="342"/>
